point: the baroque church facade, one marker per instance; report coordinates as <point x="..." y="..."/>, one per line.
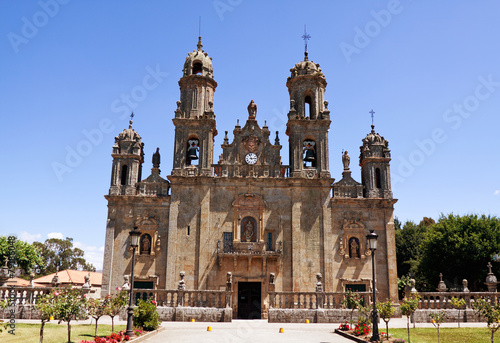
<point x="249" y="214"/>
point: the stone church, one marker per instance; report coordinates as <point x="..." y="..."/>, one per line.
<point x="248" y="213"/>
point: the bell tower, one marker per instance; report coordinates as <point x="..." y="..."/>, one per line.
<point x="195" y="126"/>
<point x="128" y="156"/>
<point x="374" y="161"/>
<point x="308" y="121"/>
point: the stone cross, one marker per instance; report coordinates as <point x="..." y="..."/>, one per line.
<point x="489" y="267"/>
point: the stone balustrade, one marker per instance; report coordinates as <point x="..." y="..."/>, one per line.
<point x="23" y="295"/>
<point x="442" y="300"/>
<point x="186" y="298"/>
<point x="310" y="300"/>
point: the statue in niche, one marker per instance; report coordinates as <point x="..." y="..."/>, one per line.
<point x="346" y="160"/>
<point x="248" y="230"/>
<point x="146" y="244"/>
<point x="353" y="248"/>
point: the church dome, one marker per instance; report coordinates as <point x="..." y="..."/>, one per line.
<point x="128" y="141"/>
<point x="128" y="134"/>
<point x="306" y="67"/>
<point x="198" y="62"/>
<point x="374" y="145"/>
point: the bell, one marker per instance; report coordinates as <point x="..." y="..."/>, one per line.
<point x="309" y="156"/>
<point x="192" y="154"/>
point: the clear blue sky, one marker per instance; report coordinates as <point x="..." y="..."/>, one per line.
<point x="430" y="70"/>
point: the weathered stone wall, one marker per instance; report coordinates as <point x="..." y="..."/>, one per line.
<point x="314" y="316"/>
<point x="185" y="314"/>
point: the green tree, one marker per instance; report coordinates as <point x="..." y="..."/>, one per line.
<point x="437" y="319"/>
<point x="59" y="254"/>
<point x="146" y="316"/>
<point x="115" y="304"/>
<point x="386" y="311"/>
<point x="458" y="303"/>
<point x="27" y="256"/>
<point x="46" y="307"/>
<point x="409" y="240"/>
<point x="70" y="305"/>
<point x="96" y="309"/>
<point x="460" y="245"/>
<point x="352" y="301"/>
<point x="408" y="307"/>
<point x="490" y="312"/>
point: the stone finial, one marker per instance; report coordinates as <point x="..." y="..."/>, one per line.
<point x="86" y="284"/>
<point x="229" y="281"/>
<point x="491" y="279"/>
<point x="441" y="286"/>
<point x="126" y="282"/>
<point x="252" y="110"/>
<point x="412" y="286"/>
<point x="319" y="285"/>
<point x="464" y="286"/>
<point x="346" y="160"/>
<point x="182" y="283"/>
<point x="277" y="139"/>
<point x="226" y="139"/>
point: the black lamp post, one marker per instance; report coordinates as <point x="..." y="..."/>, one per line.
<point x="134" y="243"/>
<point x="372" y="243"/>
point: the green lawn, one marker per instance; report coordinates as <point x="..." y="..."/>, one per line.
<point x="447" y="335"/>
<point x="55" y="333"/>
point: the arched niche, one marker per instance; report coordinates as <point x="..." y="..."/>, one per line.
<point x="149" y="242"/>
<point x="248" y="210"/>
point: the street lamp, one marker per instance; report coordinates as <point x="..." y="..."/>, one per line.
<point x="134" y="243"/>
<point x="372" y="244"/>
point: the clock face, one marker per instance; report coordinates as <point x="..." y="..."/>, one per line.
<point x="251" y="158"/>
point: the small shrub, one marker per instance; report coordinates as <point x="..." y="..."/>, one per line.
<point x="361" y="329"/>
<point x="145" y="315"/>
<point x="344" y="326"/>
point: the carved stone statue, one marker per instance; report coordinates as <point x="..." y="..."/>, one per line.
<point x="464" y="286"/>
<point x="86" y="284"/>
<point x="346" y="160"/>
<point x="126" y="282"/>
<point x="354" y="248"/>
<point x="182" y="283"/>
<point x="326" y="104"/>
<point x="292" y="105"/>
<point x="252" y="110"/>
<point x="319" y="285"/>
<point x="146" y="244"/>
<point x="248" y="231"/>
<point x="156" y="158"/>
<point x="271" y="278"/>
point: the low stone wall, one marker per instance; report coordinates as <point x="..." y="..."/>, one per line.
<point x="185" y="314"/>
<point x="315" y="316"/>
<point x="21" y="312"/>
<point x="452" y="316"/>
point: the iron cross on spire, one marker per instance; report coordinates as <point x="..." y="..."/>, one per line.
<point x="305" y="37"/>
<point x="372" y="112"/>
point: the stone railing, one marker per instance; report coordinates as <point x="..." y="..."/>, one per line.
<point x="186" y="298"/>
<point x="310" y="300"/>
<point x="23" y="295"/>
<point x="230" y="170"/>
<point x="153" y="189"/>
<point x="442" y="300"/>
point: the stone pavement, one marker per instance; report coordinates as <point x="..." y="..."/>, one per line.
<point x="247" y="331"/>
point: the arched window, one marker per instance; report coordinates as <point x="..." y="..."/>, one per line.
<point x="309" y="153"/>
<point x="192" y="151"/>
<point x="248" y="230"/>
<point x="145" y="244"/>
<point x="123" y="175"/>
<point x="197" y="67"/>
<point x="378" y="178"/>
<point x="307" y="107"/>
<point x="354" y="247"/>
